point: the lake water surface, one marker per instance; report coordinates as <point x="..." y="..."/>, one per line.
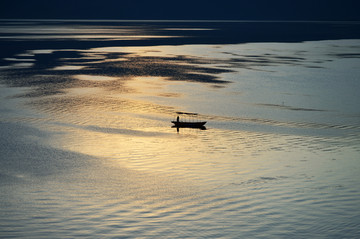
<point x="87" y="148"/>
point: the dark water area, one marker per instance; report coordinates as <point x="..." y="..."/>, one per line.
<point x="177" y="32"/>
<point x="87" y="147"/>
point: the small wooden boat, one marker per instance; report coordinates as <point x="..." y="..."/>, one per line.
<point x="190" y="123"/>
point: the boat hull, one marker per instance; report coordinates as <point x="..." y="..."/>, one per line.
<point x="181" y="124"/>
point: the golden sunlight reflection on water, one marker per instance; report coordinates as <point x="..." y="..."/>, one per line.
<point x="148" y="144"/>
<point x="260" y="163"/>
<point x="126" y="122"/>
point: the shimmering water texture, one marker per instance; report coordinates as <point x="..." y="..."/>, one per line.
<point x="87" y="148"/>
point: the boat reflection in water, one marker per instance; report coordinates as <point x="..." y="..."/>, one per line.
<point x="191" y="121"/>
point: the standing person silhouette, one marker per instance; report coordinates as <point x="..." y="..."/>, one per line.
<point x="177" y="119"/>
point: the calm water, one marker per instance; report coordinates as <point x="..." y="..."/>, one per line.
<point x="87" y="148"/>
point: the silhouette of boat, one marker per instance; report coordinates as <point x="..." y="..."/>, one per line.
<point x="188" y="124"/>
